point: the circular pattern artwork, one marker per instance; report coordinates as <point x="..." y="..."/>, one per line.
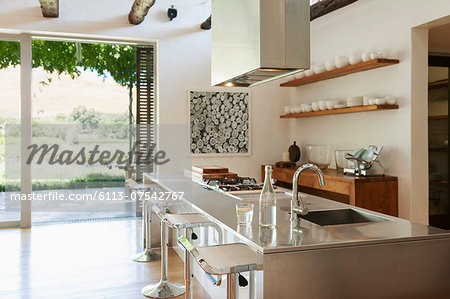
<point x="219" y="122"/>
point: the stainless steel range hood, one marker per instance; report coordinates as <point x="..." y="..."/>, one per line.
<point x="255" y="41"/>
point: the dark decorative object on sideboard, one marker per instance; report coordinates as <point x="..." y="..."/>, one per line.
<point x="294" y="153"/>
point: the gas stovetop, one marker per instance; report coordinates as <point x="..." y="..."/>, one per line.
<point x="234" y="184"/>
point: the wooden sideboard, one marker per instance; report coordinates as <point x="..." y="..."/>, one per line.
<point x="376" y="193"/>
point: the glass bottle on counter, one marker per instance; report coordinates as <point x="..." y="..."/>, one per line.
<point x="268" y="202"/>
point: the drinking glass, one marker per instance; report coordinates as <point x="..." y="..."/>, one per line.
<point x="244" y="213"/>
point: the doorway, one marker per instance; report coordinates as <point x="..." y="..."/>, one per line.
<point x="438" y="95"/>
<point x="9" y="114"/>
<point x="47" y="113"/>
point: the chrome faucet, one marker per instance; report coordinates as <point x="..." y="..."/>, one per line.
<point x="297" y="205"/>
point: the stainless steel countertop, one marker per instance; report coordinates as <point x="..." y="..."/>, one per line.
<point x="220" y="208"/>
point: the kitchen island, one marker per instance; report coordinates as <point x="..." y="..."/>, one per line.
<point x="385" y="257"/>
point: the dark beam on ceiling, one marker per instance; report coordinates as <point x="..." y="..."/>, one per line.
<point x="139" y="10"/>
<point x="50" y="8"/>
<point x="206" y="25"/>
<point x="326" y="6"/>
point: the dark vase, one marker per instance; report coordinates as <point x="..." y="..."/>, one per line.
<point x="294" y="153"/>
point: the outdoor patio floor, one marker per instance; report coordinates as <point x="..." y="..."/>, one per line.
<point x="48" y="212"/>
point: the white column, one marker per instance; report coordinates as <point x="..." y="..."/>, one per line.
<point x="419" y="126"/>
<point x="25" y="134"/>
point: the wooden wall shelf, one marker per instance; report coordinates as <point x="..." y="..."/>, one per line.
<point x="341" y="111"/>
<point x="376" y="193"/>
<point x="439" y="183"/>
<point x="438" y="150"/>
<point x="347" y="70"/>
<point x="438" y="84"/>
<point x="438" y="117"/>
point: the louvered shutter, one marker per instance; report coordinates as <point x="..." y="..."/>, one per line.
<point x="145" y="115"/>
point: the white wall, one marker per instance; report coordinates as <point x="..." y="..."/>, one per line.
<point x="184" y="63"/>
<point x="365" y="26"/>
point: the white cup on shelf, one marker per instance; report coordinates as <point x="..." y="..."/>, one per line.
<point x="330" y="65"/>
<point x="366" y="100"/>
<point x="383" y="54"/>
<point x="299" y="75"/>
<point x="354" y="59"/>
<point x="391" y="100"/>
<point x="341" y="61"/>
<point x="365" y="56"/>
<point x="380" y="101"/>
<point x="315" y="106"/>
<point x="292" y="109"/>
<point x="374" y="55"/>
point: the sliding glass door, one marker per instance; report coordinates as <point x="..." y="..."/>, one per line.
<point x="15" y="80"/>
<point x="75" y="95"/>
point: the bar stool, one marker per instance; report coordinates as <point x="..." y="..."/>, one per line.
<point x="227" y="259"/>
<point x="164" y="288"/>
<point x="148" y="255"/>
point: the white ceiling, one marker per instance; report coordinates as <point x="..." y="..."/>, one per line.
<point x="439" y="39"/>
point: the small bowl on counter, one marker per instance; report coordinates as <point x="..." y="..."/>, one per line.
<point x="320" y="155"/>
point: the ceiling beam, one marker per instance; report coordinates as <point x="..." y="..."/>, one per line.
<point x="50" y="8"/>
<point x="206" y="25"/>
<point x="324" y="7"/>
<point x="139" y="10"/>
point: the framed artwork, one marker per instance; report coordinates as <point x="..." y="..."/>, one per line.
<point x="220" y="123"/>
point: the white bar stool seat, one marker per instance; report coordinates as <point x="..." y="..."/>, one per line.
<point x="165" y="288"/>
<point x="229" y="259"/>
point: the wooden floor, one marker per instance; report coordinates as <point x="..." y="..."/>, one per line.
<point x="83" y="260"/>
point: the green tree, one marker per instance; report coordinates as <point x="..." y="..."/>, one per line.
<point x="88" y="118"/>
<point x="117" y="61"/>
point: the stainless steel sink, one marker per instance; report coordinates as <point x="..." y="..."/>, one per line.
<point x="341" y="216"/>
